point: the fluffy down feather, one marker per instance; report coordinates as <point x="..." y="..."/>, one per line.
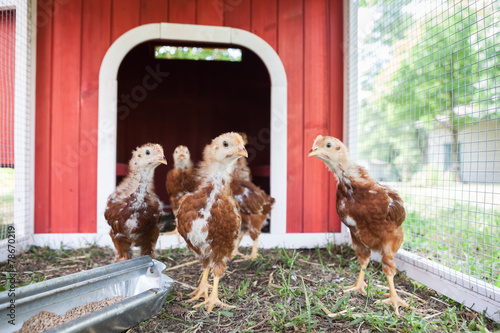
<point x="134" y="210"/>
<point x="181" y="179"/>
<point x="242" y="170"/>
<point x="208" y="218"/>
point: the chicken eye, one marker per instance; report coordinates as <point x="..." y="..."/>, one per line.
<point x="225" y="144"/>
<point x="329" y="145"/>
<point x="147" y="152"/>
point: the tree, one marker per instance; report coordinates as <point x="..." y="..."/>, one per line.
<point x="452" y="64"/>
<point x="387" y="141"/>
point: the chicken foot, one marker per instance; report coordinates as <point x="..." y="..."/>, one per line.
<point x="253" y="255"/>
<point x="236" y="251"/>
<point x="202" y="290"/>
<point x="393" y="297"/>
<point x="213" y="299"/>
<point x="360" y="284"/>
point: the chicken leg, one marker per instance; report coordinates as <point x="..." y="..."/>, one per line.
<point x="213" y="299"/>
<point x="174" y="232"/>
<point x="202" y="290"/>
<point x="236" y="251"/>
<point x="255" y="246"/>
<point x="363" y="254"/>
<point x="253" y="255"/>
<point x="389" y="271"/>
<point x="123" y="246"/>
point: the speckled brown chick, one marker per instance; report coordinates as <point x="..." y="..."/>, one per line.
<point x="134" y="210"/>
<point x="181" y="179"/>
<point x="208" y="219"/>
<point x="373" y="212"/>
<point x="255" y="206"/>
<point x="241" y="169"/>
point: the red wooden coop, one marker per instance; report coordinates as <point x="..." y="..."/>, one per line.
<point x="101" y="92"/>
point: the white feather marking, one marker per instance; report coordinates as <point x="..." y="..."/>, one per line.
<point x="373" y="192"/>
<point x="350" y="221"/>
<point x="131" y="223"/>
<point x="197" y="236"/>
<point x="342" y="204"/>
<point x="206" y="211"/>
<point x="240" y="197"/>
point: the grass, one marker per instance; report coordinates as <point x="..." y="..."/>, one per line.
<point x="467" y="240"/>
<point x="281" y="291"/>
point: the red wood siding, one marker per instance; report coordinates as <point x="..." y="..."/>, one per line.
<point x="307" y="34"/>
<point x="43" y="126"/>
<point x="315" y="113"/>
<point x="96" y="24"/>
<point x="7" y="73"/>
<point x="66" y="127"/>
<point x="335" y="94"/>
<point x="290" y="49"/>
<point x="153" y="11"/>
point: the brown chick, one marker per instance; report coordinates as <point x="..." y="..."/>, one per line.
<point x="181" y="179"/>
<point x="255" y="206"/>
<point x="134" y="210"/>
<point x="208" y="219"/>
<point x="242" y="170"/>
<point x="373" y="212"/>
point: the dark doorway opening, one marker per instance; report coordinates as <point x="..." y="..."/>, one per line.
<point x="188" y="102"/>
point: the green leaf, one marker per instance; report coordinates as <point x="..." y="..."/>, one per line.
<point x="356" y="321"/>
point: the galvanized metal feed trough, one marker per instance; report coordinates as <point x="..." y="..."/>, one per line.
<point x="139" y="279"/>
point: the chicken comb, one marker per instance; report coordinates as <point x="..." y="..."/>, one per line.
<point x="160" y="149"/>
<point x="240" y="139"/>
<point x="319" y="137"/>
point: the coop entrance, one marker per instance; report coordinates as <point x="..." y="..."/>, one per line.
<point x="172" y="102"/>
<point x="190" y="97"/>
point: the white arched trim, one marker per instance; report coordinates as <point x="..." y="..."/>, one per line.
<point x="108" y="91"/>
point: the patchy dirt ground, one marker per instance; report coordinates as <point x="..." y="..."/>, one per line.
<point x="282" y="290"/>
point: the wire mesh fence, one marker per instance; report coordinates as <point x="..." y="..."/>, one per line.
<point x="16" y="120"/>
<point x="424" y="117"/>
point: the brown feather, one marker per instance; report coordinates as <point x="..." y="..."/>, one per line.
<point x="208" y="218"/>
<point x="254" y="204"/>
<point x="179" y="182"/>
<point x="133" y="211"/>
<point x="373" y="212"/>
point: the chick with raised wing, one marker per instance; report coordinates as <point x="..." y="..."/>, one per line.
<point x="208" y="219"/>
<point x="373" y="213"/>
<point x="133" y="211"/>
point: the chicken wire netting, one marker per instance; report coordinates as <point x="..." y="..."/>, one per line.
<point x="424" y="118"/>
<point x="15" y="122"/>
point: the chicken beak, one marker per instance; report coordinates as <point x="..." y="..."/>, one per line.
<point x="314" y="151"/>
<point x="240" y="151"/>
<point x="162" y="160"/>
